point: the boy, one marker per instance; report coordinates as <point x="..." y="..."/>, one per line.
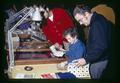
<point x="76" y="48"/>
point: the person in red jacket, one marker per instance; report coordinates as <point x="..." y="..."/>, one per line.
<point x="57" y="20"/>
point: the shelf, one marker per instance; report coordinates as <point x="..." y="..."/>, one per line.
<point x="32" y="50"/>
<point x="39" y="61"/>
<point x="32" y="46"/>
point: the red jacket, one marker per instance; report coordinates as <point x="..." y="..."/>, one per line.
<point x="54" y="29"/>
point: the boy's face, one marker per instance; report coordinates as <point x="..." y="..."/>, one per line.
<point x="70" y="39"/>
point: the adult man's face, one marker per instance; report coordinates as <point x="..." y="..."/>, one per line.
<point x="46" y="14"/>
<point x="82" y="19"/>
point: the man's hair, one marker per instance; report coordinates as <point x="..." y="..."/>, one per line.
<point x="70" y="31"/>
<point x="81" y="9"/>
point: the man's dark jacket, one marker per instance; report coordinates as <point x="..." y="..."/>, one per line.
<point x="99" y="38"/>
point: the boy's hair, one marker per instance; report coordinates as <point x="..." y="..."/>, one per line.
<point x="71" y="31"/>
<point x="81" y="9"/>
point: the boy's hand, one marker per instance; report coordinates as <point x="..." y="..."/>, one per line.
<point x="58" y="47"/>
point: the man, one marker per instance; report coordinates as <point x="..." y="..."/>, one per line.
<point x="56" y="21"/>
<point x="98" y="40"/>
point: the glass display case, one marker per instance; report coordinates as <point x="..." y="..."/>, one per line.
<point x="24" y="43"/>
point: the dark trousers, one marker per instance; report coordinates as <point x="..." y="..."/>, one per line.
<point x="96" y="69"/>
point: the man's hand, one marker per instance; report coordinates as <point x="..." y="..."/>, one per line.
<point x="81" y="62"/>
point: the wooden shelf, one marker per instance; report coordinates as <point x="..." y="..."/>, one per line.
<point x="32" y="50"/>
<point x="39" y="61"/>
<point x="33" y="46"/>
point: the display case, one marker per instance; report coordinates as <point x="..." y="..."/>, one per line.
<point x="25" y="45"/>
